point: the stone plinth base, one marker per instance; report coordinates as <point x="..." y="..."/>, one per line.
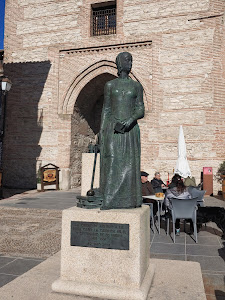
<point x="107" y="273"/>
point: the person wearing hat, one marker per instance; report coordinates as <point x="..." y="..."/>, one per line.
<point x="147" y="190"/>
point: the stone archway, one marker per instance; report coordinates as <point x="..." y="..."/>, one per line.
<point x="85" y="122"/>
<point x="70" y="94"/>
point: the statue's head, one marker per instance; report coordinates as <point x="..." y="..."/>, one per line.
<point x="124" y="62"/>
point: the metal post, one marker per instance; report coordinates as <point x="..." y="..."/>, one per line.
<point x="2" y="128"/>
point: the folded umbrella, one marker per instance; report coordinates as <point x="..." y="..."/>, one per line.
<point x="182" y="166"/>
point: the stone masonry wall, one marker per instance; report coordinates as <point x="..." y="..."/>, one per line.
<point x="183" y="76"/>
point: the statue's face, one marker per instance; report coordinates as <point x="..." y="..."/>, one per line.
<point x="126" y="62"/>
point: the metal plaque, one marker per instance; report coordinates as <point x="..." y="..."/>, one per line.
<point x="100" y="235"/>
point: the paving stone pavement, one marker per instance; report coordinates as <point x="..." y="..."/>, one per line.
<point x="12" y="267"/>
<point x="30" y="227"/>
<point x="56" y="200"/>
<point x="209" y="252"/>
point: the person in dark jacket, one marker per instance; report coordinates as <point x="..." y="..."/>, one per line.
<point x="157" y="183"/>
<point x="147" y="190"/>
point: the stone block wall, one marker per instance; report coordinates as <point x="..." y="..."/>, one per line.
<point x="182" y="72"/>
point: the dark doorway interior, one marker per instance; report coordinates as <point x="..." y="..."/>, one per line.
<point x="86" y="121"/>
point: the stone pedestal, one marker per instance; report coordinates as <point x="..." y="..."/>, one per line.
<point x="87" y="170"/>
<point x="101" y="272"/>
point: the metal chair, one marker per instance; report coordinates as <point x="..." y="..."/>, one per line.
<point x="196" y="193"/>
<point x="183" y="209"/>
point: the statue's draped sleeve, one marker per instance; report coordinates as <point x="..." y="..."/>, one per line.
<point x="105" y="120"/>
<point x="106" y="110"/>
<point x="139" y="109"/>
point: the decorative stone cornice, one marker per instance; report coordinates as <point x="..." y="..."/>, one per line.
<point x="143" y="44"/>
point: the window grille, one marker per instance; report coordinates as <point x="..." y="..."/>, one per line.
<point x="104" y="21"/>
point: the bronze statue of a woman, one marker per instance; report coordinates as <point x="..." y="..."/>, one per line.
<point x="120" y="149"/>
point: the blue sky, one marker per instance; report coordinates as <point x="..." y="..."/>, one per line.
<point x="2" y="13"/>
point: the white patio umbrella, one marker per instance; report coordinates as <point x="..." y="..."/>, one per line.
<point x="182" y="166"/>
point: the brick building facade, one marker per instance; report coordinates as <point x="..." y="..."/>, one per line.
<point x="58" y="69"/>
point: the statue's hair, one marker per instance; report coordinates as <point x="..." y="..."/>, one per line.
<point x="118" y="61"/>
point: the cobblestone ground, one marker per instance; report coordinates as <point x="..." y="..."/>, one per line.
<point x="30" y="222"/>
<point x="29" y="232"/>
<point x="30" y="229"/>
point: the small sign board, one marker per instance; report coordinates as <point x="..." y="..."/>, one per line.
<point x="100" y="235"/>
<point x="207" y="170"/>
<point x="49" y="176"/>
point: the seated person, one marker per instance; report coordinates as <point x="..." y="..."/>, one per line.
<point x="175" y="178"/>
<point x="147" y="190"/>
<point x="190" y="181"/>
<point x="157" y="183"/>
<point x="180" y="192"/>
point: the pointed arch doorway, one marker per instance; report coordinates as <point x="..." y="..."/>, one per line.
<point x="85" y="122"/>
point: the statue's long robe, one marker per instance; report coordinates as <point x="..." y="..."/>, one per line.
<point x="120" y="182"/>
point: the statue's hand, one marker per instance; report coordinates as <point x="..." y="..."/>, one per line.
<point x="128" y="123"/>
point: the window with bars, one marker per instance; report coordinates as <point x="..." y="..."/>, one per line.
<point x="103" y="19"/>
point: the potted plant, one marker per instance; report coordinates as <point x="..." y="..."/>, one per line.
<point x="220" y="175"/>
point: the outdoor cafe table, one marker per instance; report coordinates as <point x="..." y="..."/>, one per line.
<point x="159" y="203"/>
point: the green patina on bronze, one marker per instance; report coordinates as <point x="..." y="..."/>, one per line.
<point x="120" y="149"/>
<point x="120" y="184"/>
